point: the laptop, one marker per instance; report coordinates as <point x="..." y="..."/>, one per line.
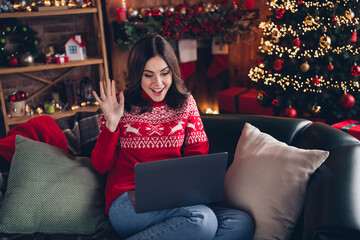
<point x="179" y="182"/>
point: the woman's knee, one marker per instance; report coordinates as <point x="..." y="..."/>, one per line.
<point x="204" y="221"/>
<point x="240" y="224"/>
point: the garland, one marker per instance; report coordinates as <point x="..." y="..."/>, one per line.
<point x="202" y="22"/>
<point x="23" y="35"/>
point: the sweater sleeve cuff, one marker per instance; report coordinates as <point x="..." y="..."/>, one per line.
<point x="109" y="138"/>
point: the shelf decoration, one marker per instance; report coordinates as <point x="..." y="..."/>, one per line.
<point x="121" y="12"/>
<point x="16" y="104"/>
<point x="43" y="5"/>
<point x="75" y="48"/>
<point x="27" y="43"/>
<point x="226" y="23"/>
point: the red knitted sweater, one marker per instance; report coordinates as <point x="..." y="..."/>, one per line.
<point x="156" y="135"/>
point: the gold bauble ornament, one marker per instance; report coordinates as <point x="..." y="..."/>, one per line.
<point x="325" y="42"/>
<point x="316" y="109"/>
<point x="349" y="14"/>
<point x="309" y="20"/>
<point x="266" y="46"/>
<point x="275" y="36"/>
<point x="305" y="67"/>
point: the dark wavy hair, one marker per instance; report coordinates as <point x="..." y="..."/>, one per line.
<point x="145" y="48"/>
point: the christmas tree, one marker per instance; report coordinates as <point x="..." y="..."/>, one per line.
<point x="309" y="62"/>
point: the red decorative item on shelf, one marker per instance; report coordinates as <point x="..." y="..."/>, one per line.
<point x="347" y="101"/>
<point x="17" y="96"/>
<point x="61" y="58"/>
<point x="14" y="61"/>
<point x="121" y="12"/>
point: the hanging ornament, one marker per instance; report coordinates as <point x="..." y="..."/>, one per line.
<point x="355" y="70"/>
<point x="260" y="63"/>
<point x="296" y="42"/>
<point x="330" y="67"/>
<point x="334" y="19"/>
<point x="275" y="102"/>
<point x="27" y="59"/>
<point x="325" y="42"/>
<point x="299" y="2"/>
<point x="290" y="112"/>
<point x="279" y="13"/>
<point x="316" y="80"/>
<point x="309" y="20"/>
<point x="260" y="97"/>
<point x="354" y="37"/>
<point x="276" y="35"/>
<point x="349" y="14"/>
<point x="278" y="64"/>
<point x="347" y="101"/>
<point x="305" y="67"/>
<point x="316" y="109"/>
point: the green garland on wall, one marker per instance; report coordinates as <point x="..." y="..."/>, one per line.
<point x="202" y="22"/>
<point x="24" y="37"/>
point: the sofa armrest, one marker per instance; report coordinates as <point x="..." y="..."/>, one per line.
<point x="332" y="202"/>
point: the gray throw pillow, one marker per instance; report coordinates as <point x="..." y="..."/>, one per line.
<point x="50" y="192"/>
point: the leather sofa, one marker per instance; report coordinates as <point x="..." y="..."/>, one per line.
<point x="332" y="203"/>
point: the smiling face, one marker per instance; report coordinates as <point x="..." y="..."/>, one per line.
<point x="156" y="79"/>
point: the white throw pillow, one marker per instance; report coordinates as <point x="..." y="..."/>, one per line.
<point x="268" y="179"/>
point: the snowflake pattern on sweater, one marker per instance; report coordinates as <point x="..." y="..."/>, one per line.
<point x="161" y="128"/>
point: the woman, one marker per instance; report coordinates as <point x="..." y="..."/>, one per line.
<point x="155" y="119"/>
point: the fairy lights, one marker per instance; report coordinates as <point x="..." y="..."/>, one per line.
<point x="273" y="46"/>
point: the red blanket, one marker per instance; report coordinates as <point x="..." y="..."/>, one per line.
<point x="42" y="129"/>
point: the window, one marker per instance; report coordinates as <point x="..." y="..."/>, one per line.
<point x="73" y="49"/>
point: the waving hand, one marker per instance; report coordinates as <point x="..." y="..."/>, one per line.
<point x="112" y="108"/>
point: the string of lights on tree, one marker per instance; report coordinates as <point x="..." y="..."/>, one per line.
<point x="227" y="23"/>
<point x="309" y="62"/>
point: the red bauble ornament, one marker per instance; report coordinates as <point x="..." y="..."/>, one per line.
<point x="354" y="37"/>
<point x="260" y="62"/>
<point x="330" y="67"/>
<point x="279" y="13"/>
<point x="296" y="42"/>
<point x="290" y="112"/>
<point x="20" y="95"/>
<point x="278" y="64"/>
<point x="347" y="101"/>
<point x="300" y="2"/>
<point x="12" y="98"/>
<point x="355" y="71"/>
<point x="315" y="80"/>
<point x="334" y="19"/>
<point x="14" y="61"/>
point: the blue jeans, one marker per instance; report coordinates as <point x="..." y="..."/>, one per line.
<point x="194" y="222"/>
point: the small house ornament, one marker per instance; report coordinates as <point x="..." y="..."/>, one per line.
<point x="75" y="48"/>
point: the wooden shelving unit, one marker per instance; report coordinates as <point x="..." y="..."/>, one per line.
<point x="100" y="60"/>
